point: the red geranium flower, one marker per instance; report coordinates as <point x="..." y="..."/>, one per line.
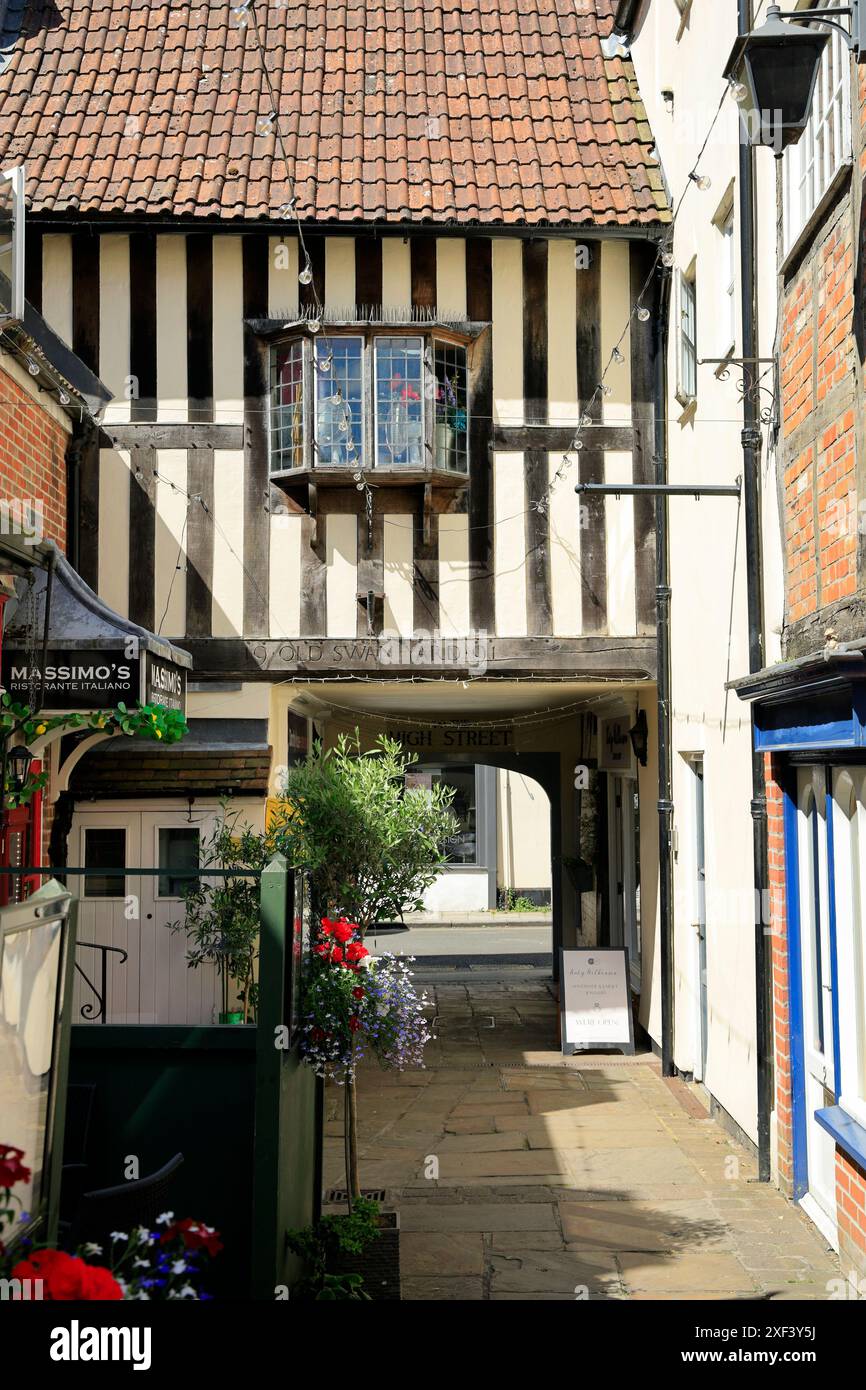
<point x="344" y="931"/>
<point x="66" y="1278"/>
<point x="355" y="952"/>
<point x="12" y="1170"/>
<point x="316" y="1034"/>
<point x="357" y="993"/>
<point x="337" y="955"/>
<point x="354" y="1023"/>
<point x="327" y="926"/>
<point x="321" y="949"/>
<point x="194" y="1234"/>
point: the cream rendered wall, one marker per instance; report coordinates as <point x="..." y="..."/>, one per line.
<point x="708" y="616"/>
<point x="522" y="831"/>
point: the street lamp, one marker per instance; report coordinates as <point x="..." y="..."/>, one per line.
<point x="774" y="69"/>
<point x="18" y="761"/>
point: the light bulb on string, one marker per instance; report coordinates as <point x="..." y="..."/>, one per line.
<point x="305" y="276"/>
<point x="576" y="443"/>
<point x="240" y="14"/>
<point x="605" y="389"/>
<point x="739" y="91"/>
<point x="32" y="367"/>
<point x="359" y="487"/>
<point x="617" y="355"/>
<point x="287" y="209"/>
<point x="703" y="181"/>
<point x="314" y="325"/>
<point x="585" y="421"/>
<point x="264" y="125"/>
<point x="643" y="314"/>
<point x="667" y="259"/>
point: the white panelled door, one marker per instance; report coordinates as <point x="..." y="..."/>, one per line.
<point x="132" y="912"/>
<point x="817" y="991"/>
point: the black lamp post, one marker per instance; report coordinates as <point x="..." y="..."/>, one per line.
<point x="774" y="69"/>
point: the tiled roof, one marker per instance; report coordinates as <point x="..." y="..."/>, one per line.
<point x="438" y="111"/>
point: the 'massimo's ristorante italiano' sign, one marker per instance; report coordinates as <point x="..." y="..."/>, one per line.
<point x="94" y="678"/>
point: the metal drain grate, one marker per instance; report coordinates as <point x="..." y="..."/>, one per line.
<point x="339" y="1194"/>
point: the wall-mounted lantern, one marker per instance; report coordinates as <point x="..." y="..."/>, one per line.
<point x="774" y="69"/>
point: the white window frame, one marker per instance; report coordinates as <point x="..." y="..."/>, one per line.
<point x="728" y="321"/>
<point x="849" y="853"/>
<point x="687" y="287"/>
<point x="810" y="167"/>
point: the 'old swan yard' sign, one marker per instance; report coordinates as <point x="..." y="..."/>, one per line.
<point x="595" y="1001"/>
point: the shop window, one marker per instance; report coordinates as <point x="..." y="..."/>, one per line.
<point x="338" y="364"/>
<point x="463" y="845"/>
<point x="369" y="400"/>
<point x="104" y="848"/>
<point x="450" y="445"/>
<point x="399" y="403"/>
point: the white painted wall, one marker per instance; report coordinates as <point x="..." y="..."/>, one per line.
<point x="707" y="550"/>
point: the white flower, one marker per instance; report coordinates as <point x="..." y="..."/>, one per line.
<point x="91" y="1248"/>
<point x="143" y="1236"/>
<point x="166" y="1218"/>
<point x="179" y="1267"/>
<point x="141" y="1264"/>
<point x="119" y="1235"/>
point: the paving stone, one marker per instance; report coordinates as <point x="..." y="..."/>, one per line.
<point x="436" y="1253"/>
<point x="687" y="1272"/>
<point x="437" y="1289"/>
<point x="544" y="1271"/>
<point x="508" y="1164"/>
<point x="480" y="1143"/>
<point x="533" y="1216"/>
<point x="640" y="1226"/>
<point x="470" y="1124"/>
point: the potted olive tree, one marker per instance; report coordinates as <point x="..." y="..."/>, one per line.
<point x="222" y="914"/>
<point x="370" y="846"/>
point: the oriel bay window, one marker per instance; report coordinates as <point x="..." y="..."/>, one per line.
<point x="382" y="400"/>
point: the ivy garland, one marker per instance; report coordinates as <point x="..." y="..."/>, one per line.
<point x="145" y="721"/>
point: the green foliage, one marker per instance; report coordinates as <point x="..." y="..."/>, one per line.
<point x="147" y="721"/>
<point x="370" y="844"/>
<point x="222" y="916"/>
<point x="509" y="901"/>
<point x="319" y="1245"/>
<point x="343" y="1286"/>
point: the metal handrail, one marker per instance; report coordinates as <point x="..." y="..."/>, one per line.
<point x="89" y="1011"/>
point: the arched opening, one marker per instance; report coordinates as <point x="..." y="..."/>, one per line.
<point x="491" y="904"/>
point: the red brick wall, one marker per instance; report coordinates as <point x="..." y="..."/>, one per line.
<point x="32" y="470"/>
<point x="32" y="456"/>
<point x="817" y="366"/>
<point x="851" y="1209"/>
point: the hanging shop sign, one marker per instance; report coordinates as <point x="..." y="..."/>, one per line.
<point x="595" y="1001"/>
<point x="79" y="678"/>
<point x="615" y="753"/>
<point x="164" y="683"/>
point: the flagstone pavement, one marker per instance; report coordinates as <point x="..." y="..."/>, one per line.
<point x="521" y="1174"/>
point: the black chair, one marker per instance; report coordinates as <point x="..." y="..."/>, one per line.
<point x="79" y="1111"/>
<point x="124" y="1207"/>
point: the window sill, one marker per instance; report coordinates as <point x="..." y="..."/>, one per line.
<point x="327" y="476"/>
<point x="806" y="233"/>
<point x="847" y="1132"/>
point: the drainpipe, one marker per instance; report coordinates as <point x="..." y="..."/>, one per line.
<point x="751" y="442"/>
<point x="663" y="651"/>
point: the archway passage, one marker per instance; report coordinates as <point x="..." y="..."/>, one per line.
<point x="566" y="738"/>
<point x="490" y="907"/>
